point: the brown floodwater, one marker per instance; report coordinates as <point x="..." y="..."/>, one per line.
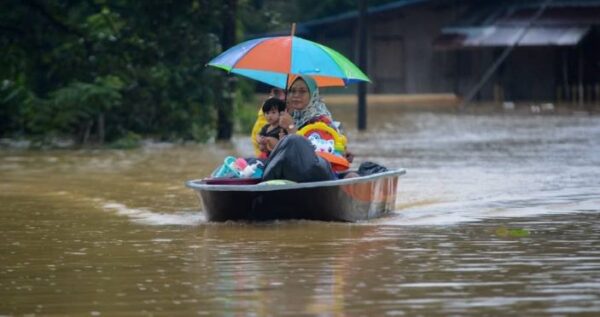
<point x="498" y="214"/>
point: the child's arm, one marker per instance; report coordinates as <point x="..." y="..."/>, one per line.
<point x="262" y="147"/>
<point x="262" y="143"/>
<point x="270" y="143"/>
<point x="266" y="143"/>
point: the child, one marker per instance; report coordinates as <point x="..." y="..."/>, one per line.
<point x="271" y="109"/>
<point x="261" y="120"/>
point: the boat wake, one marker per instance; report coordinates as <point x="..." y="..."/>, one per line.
<point x="148" y="217"/>
<point x="427" y="212"/>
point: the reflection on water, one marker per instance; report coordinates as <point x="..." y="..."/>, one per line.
<point x="497" y="215"/>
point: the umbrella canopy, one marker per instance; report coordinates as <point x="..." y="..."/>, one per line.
<point x="276" y="60"/>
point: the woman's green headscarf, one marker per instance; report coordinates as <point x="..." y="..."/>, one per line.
<point x="315" y="108"/>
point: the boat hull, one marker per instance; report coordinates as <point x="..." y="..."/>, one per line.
<point x="348" y="200"/>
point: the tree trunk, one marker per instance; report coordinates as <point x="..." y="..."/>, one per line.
<point x="86" y="132"/>
<point x="101" y="128"/>
<point x="225" y="106"/>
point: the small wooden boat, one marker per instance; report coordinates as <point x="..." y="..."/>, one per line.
<point x="350" y="200"/>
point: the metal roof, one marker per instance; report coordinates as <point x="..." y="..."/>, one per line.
<point x="495" y="12"/>
<point x="564" y="23"/>
<point x="494" y="36"/>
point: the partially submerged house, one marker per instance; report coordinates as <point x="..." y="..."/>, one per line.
<point x="552" y="48"/>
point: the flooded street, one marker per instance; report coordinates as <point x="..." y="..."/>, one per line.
<point x="498" y="214"/>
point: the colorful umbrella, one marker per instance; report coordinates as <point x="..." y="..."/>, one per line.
<point x="276" y="60"/>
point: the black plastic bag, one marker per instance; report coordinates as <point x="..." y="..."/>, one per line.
<point x="370" y="168"/>
<point x="294" y="159"/>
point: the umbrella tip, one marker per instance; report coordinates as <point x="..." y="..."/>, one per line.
<point x="293" y="28"/>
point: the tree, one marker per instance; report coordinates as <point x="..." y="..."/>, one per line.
<point x="100" y="70"/>
<point x="225" y="106"/>
<point x="60" y="62"/>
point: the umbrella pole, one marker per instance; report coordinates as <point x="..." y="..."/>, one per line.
<point x="287" y="79"/>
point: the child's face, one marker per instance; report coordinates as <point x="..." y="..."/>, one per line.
<point x="272" y="116"/>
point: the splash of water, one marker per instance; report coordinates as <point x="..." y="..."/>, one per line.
<point x="148" y="217"/>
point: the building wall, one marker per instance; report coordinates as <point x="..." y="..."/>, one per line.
<point x="529" y="74"/>
<point x="468" y="69"/>
<point x="411" y="33"/>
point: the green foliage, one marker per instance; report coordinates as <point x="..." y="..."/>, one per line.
<point x="129" y="141"/>
<point x="78" y="102"/>
<point x="246" y="106"/>
<point x="98" y="70"/>
<point x="105" y="71"/>
<point x="246" y="113"/>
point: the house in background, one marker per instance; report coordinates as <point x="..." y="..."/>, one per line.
<point x="442" y="46"/>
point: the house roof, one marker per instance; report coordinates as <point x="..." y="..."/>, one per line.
<point x="496" y="36"/>
<point x="563" y="23"/>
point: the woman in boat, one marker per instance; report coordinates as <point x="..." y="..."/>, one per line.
<point x="294" y="157"/>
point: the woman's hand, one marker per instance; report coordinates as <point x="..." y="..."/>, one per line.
<point x="286" y="122"/>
